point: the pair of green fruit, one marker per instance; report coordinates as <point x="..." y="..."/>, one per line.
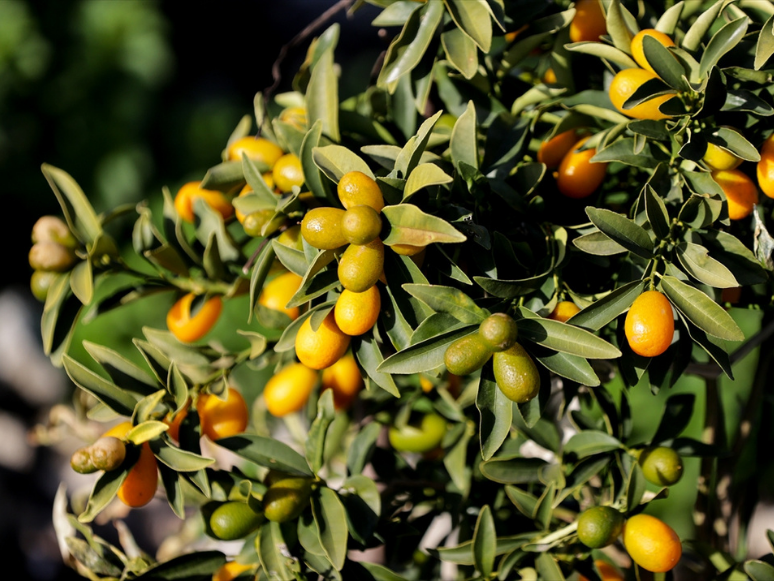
<point x="52" y="252"/>
<point x="106" y="454"/>
<point x="515" y="372"/>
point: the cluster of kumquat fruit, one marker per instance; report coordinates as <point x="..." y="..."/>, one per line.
<point x="53" y="251"/>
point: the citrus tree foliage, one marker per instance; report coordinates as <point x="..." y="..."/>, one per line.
<point x="449" y="130"/>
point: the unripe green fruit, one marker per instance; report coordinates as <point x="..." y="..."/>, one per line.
<point x="234" y="520"/>
<point x="516" y="374"/>
<point x="275" y="476"/>
<point x="52" y="229"/>
<point x="292" y="238"/>
<point x="661" y="466"/>
<point x="40" y="282"/>
<point x="361" y="266"/>
<point x="51" y="256"/>
<point x="287" y="498"/>
<point x="254" y="223"/>
<point x="600" y="526"/>
<point x="81" y="462"/>
<point x="467" y="355"/>
<point x="361" y="225"/>
<point x="499" y="331"/>
<point x="421" y="438"/>
<point x="321" y="228"/>
<point x="107" y="453"/>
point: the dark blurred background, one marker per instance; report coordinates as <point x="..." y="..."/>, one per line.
<point x="127" y="96"/>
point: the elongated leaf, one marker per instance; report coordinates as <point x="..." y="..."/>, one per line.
<point x="496" y="413"/>
<point x="600" y="313"/>
<point x="446" y="299"/>
<point x="699" y="264"/>
<point x="667" y="22"/>
<point x="423" y="176"/>
<point x="524" y="501"/>
<point x="335" y="161"/>
<point x="331" y="520"/>
<point x="82" y="282"/>
<point x="105" y="489"/>
<point x="759" y="570"/>
<point x="663" y="62"/>
<point x="120" y="369"/>
<point x="322" y="95"/>
<point x="464" y="145"/>
<point x="105" y="391"/>
<point x="267" y="452"/>
<point x="272" y="552"/>
<point x="701" y="310"/>
<point x="548" y="568"/>
<point x="315" y="443"/>
<point x="173" y="487"/>
<point x="198" y="565"/>
<point x="604" y="51"/>
<point x="699" y="28"/>
<point x="599" y="244"/>
<point x="359" y="453"/>
<point x="473" y="18"/>
<point x="678" y="412"/>
<point x="566" y="338"/>
<point x="370" y="358"/>
<point x="617" y="27"/>
<point x="765" y="46"/>
<point x="656" y="212"/>
<point x="484" y="542"/>
<point x="460" y="51"/>
<point x="624" y="231"/>
<point x="425" y="355"/>
<point x="721" y="42"/>
<point x="511" y="470"/>
<point x="80" y="216"/>
<point x="178" y="459"/>
<point x="410" y="225"/>
<point x="572" y="367"/>
<point x="590" y="442"/>
<point x="145" y="431"/>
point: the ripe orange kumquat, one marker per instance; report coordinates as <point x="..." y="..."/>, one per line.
<point x="650" y="324"/>
<point x="741" y="193"/>
<point x="718" y="158"/>
<point x="356" y="313"/>
<point x="256" y="149"/>
<point x="140" y="484"/>
<point x="589" y="22"/>
<point x="184" y="201"/>
<point x="765" y="169"/>
<point x="321" y="348"/>
<point x="343" y="377"/>
<point x="625" y="84"/>
<point x="187" y="328"/>
<point x="288" y="390"/>
<point x="606" y="571"/>
<point x="639" y="53"/>
<point x="357" y="189"/>
<point x="651" y="543"/>
<point x="287" y="172"/>
<point x="563" y="311"/>
<point x="277" y="293"/>
<point x="552" y="152"/>
<point x="220" y="419"/>
<point x="578" y="177"/>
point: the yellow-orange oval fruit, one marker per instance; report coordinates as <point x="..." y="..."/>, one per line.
<point x="357" y="189"/>
<point x="563" y="311"/>
<point x="221" y="419"/>
<point x="651" y="543"/>
<point x="639" y="53"/>
<point x="343" y="377"/>
<point x="288" y="390"/>
<point x="139" y="486"/>
<point x="184" y="201"/>
<point x="322" y="348"/>
<point x="765" y="171"/>
<point x="277" y="293"/>
<point x="625" y="84"/>
<point x="231" y="571"/>
<point x="650" y="324"/>
<point x="552" y="152"/>
<point x="256" y="149"/>
<point x="718" y="158"/>
<point x="741" y="193"/>
<point x="356" y="313"/>
<point x="589" y="22"/>
<point x="578" y="177"/>
<point x="287" y="172"/>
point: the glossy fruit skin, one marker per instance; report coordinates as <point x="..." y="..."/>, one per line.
<point x="256" y="149"/>
<point x="321" y="228"/>
<point x="220" y="419"/>
<point x="650" y="324"/>
<point x="564" y="311"/>
<point x="651" y="543"/>
<point x="343" y="377"/>
<point x="140" y="484"/>
<point x="322" y="348"/>
<point x="295" y="116"/>
<point x="741" y="193"/>
<point x="40" y="282"/>
<point x="287" y="172"/>
<point x="606" y="571"/>
<point x="661" y="466"/>
<point x="498" y="331"/>
<point x="292" y="238"/>
<point x="234" y="520"/>
<point x="765" y="168"/>
<point x="255" y="222"/>
<point x="286" y="499"/>
<point x="53" y="229"/>
<point x="466" y="355"/>
<point x="589" y="21"/>
<point x="637" y="50"/>
<point x="421" y="438"/>
<point x="188" y="329"/>
<point x="552" y="152"/>
<point x="600" y="526"/>
<point x="718" y="158"/>
<point x="356" y="313"/>
<point x="361" y="266"/>
<point x="624" y="85"/>
<point x="277" y="293"/>
<point x="361" y="225"/>
<point x="288" y="390"/>
<point x="184" y="201"/>
<point x="357" y="189"/>
<point x="516" y="374"/>
<point x="578" y="177"/>
<point x="407" y="249"/>
<point x="231" y="571"/>
<point x="81" y="462"/>
<point x="51" y="257"/>
<point x="107" y="453"/>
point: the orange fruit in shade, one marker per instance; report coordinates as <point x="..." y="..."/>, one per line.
<point x="577" y="176"/>
<point x="187" y="328"/>
<point x="343" y="377"/>
<point x="563" y="311"/>
<point x="407" y="249"/>
<point x="606" y="571"/>
<point x="139" y="486"/>
<point x="549" y="77"/>
<point x="589" y="22"/>
<point x="174" y="422"/>
<point x="651" y="543"/>
<point x="287" y="172"/>
<point x="231" y="571"/>
<point x="741" y="193"/>
<point x="639" y="53"/>
<point x="357" y="189"/>
<point x="765" y="171"/>
<point x="256" y="149"/>
<point x="220" y="419"/>
<point x="277" y="293"/>
<point x="356" y="313"/>
<point x="184" y="201"/>
<point x="288" y="390"/>
<point x="650" y="324"/>
<point x="625" y="84"/>
<point x="552" y="152"/>
<point x="321" y="348"/>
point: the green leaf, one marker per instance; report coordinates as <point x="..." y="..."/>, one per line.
<point x="456" y="458"/>
<point x="656" y="212"/>
<point x="423" y="356"/>
<point x="667" y="22"/>
<point x="600" y="313"/>
<point x="618" y="29"/>
<point x="395" y="14"/>
<point x="572" y="367"/>
<point x="105" y="391"/>
<point x="379" y="572"/>
<point x="315" y="442"/>
<point x="699" y="28"/>
<point x="510" y="289"/>
<point x="331" y="520"/>
<point x="224" y="176"/>
<point x="105" y="489"/>
<point x="464" y="141"/>
<point x="93" y="557"/>
<point x="335" y="161"/>
<point x="423" y="176"/>
<point x="484" y="542"/>
<point x="548" y="568"/>
<point x="198" y="565"/>
<point x="496" y="413"/>
<point x="566" y="338"/>
<point x="525" y="502"/>
<point x="370" y="358"/>
<point x="622" y="230"/>
<point x="446" y="299"/>
<point x="173" y="487"/>
<point x="145" y="431"/>
<point x="121" y="370"/>
<point x="322" y="95"/>
<point x="258" y="342"/>
<point x="544" y="510"/>
<point x="765" y="46"/>
<point x="178" y="459"/>
<point x="410" y="225"/>
<point x="258" y="274"/>
<point x="473" y="18"/>
<point x="759" y="570"/>
<point x="267" y="452"/>
<point x="721" y="42"/>
<point x="604" y="51"/>
<point x="599" y="244"/>
<point x="513" y="470"/>
<point x="635" y="487"/>
<point x="590" y="442"/>
<point x="664" y="64"/>
<point x="292" y="259"/>
<point x="734" y="142"/>
<point x="462" y="554"/>
<point x="699" y="264"/>
<point x="362" y="447"/>
<point x="460" y="51"/>
<point x="82" y="282"/>
<point x="80" y="216"/>
<point x="270" y="546"/>
<point x="701" y="310"/>
<point x="626" y="151"/>
<point x="312" y="175"/>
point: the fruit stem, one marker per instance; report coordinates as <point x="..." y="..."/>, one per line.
<point x="558" y="534"/>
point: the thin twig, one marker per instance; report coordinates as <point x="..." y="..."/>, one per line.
<point x="246" y="267"/>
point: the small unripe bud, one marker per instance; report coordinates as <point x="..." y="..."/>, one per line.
<point x="52" y="229"/>
<point x="51" y="256"/>
<point x="108" y="453"/>
<point x="81" y="462"/>
<point x="40" y="283"/>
